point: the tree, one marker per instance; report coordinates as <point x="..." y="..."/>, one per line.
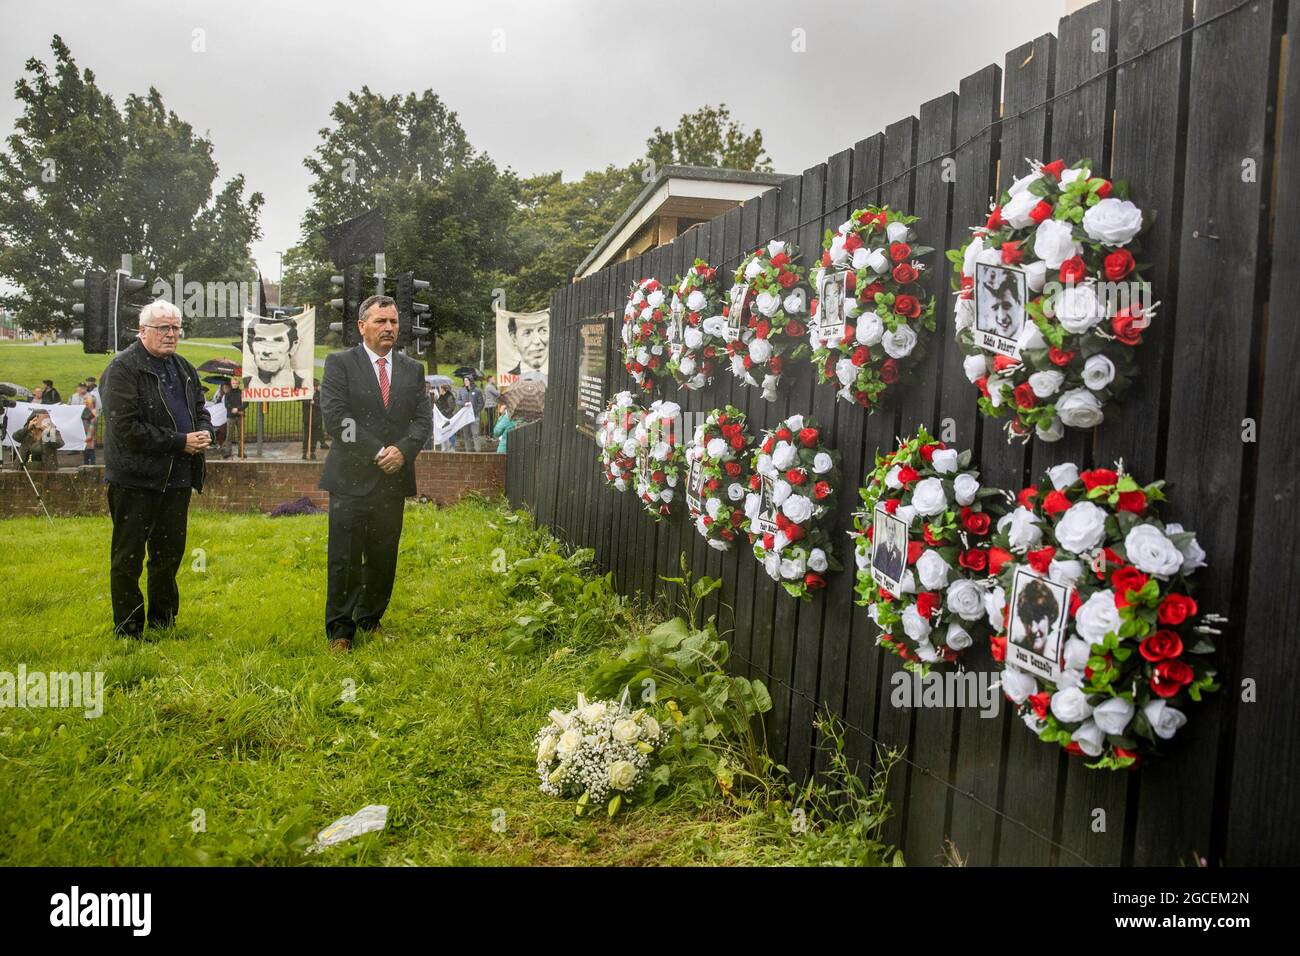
<point x="81" y="184"/>
<point x="446" y="207"/>
<point x="708" y="137"/>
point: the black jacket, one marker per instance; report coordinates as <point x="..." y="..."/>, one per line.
<point x="359" y="425"/>
<point x="140" y="435"/>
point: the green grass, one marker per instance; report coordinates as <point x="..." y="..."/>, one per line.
<point x="240" y="713"/>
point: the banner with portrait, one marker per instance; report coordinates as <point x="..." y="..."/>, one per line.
<point x="523" y="345"/>
<point x="279" y="356"/>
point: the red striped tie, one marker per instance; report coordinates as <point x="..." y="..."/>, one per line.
<point x="383" y="379"/>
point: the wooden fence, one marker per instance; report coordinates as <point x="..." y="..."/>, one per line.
<point x="1199" y="113"/>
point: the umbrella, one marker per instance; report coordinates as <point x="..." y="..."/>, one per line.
<point x="217" y="379"/>
<point x="436" y="380"/>
<point x="20" y="393"/>
<point x="466" y="372"/>
<point x="524" y="400"/>
<point x="220" y="366"/>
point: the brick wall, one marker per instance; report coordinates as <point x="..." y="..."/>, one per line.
<point x="443" y="477"/>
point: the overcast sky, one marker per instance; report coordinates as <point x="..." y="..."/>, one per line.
<point x="541" y="85"/>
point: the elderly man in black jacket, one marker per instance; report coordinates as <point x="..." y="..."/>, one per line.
<point x="156" y="428"/>
<point x="378" y="415"/>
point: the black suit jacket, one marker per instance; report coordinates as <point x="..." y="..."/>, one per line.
<point x="359" y="425"/>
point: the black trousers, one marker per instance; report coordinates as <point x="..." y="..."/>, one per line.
<point x="363" y="538"/>
<point x="152" y="522"/>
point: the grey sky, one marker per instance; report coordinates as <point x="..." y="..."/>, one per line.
<point x="578" y="84"/>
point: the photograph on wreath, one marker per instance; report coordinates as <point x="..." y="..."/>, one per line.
<point x="999" y="308"/>
<point x="834" y="290"/>
<point x="765" y="523"/>
<point x="695" y="486"/>
<point x="736" y="312"/>
<point x="889" y="551"/>
<point x="1036" y="630"/>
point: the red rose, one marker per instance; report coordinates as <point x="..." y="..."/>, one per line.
<point x="1024" y="393"/>
<point x="900" y="251"/>
<point x="928" y="534"/>
<point x="907" y="305"/>
<point x="994" y="222"/>
<point x="1003" y="362"/>
<point x="852" y="242"/>
<point x="814" y="581"/>
<point x="780" y="259"/>
<point x="889" y="371"/>
<point x="905" y="272"/>
<point x="927" y="451"/>
<point x="1133" y="501"/>
<point x="860" y="356"/>
<point x="998" y="648"/>
<point x="1026" y="497"/>
<point x="1055" y="168"/>
<point x="787" y="279"/>
<point x="997" y="558"/>
<point x="774" y="365"/>
<point x="793" y="531"/>
<point x="914" y="550"/>
<point x="769" y="541"/>
<point x="808" y="437"/>
<point x="870" y="292"/>
<point x="826" y="259"/>
<point x="657" y="477"/>
<point x="926" y="602"/>
<point x="737" y="442"/>
<point x="1104" y="189"/>
<point x="907" y="474"/>
<point x="1118" y="264"/>
<point x="784" y="434"/>
<point x="737" y="517"/>
<point x="976" y="522"/>
<point x="1040" y="702"/>
<point x="1170" y="677"/>
<point x="1043" y="210"/>
<point x="755" y="482"/>
<point x="982" y="383"/>
<point x="1073" y="270"/>
<point x="863" y="399"/>
<point x="1098" y="477"/>
<point x="1073" y="748"/>
<point x="796" y="476"/>
<point x="821" y="490"/>
<point x="1125" y="579"/>
<point x="1175" y="609"/>
<point x="1059" y="356"/>
<point x="975" y="559"/>
<point x="1055" y="503"/>
<point x="732" y="469"/>
<point x="713" y="484"/>
<point x="1161" y="646"/>
<point x="710" y="351"/>
<point x="1126" y="325"/>
<point x="891" y="505"/>
<point x="1012" y="253"/>
<point x="1040" y="560"/>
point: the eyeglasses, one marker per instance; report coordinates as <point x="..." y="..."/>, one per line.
<point x="166" y="329"/>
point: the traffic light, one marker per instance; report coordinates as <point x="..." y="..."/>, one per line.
<point x="350" y="284"/>
<point x="408" y="310"/>
<point x="96" y="313"/>
<point x="126" y="311"/>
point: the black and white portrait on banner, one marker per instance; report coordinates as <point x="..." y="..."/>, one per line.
<point x="523" y="345"/>
<point x="830" y="304"/>
<point x="888" y="549"/>
<point x="736" y="312"/>
<point x="676" y="328"/>
<point x="279" y="356"/>
<point x="999" y="308"/>
<point x="1036" y="627"/>
<point x="766" y="521"/>
<point x="694" y="486"/>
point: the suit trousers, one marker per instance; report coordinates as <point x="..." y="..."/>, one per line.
<point x="364" y="532"/>
<point x="154" y="522"/>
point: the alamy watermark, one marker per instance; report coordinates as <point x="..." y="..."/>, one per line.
<point x="949" y="689"/>
<point x="27" y="689"/>
<point x="206" y="300"/>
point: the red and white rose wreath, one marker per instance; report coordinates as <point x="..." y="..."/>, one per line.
<point x="1134" y="648"/>
<point x="719" y="450"/>
<point x="766" y="311"/>
<point x="1051" y="302"/>
<point x="660" y="457"/>
<point x="877" y="333"/>
<point x="615" y="428"/>
<point x="645" y="333"/>
<point x="696" y="315"/>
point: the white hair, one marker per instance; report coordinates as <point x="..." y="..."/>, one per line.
<point x="159" y="308"/>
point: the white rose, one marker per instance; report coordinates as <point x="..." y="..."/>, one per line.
<point x="779" y="541"/>
<point x="1036" y="275"/>
<point x="696" y="300"/>
<point x="859" y="257"/>
<point x="1112" y="222"/>
<point x="1090" y="739"/>
<point x="932" y="569"/>
<point x="1024" y="532"/>
<point x="754" y="269"/>
<point x="714" y="325"/>
<point x="822" y="463"/>
<point x="897" y="232"/>
<point x="1081" y="527"/>
<point x="907" y="583"/>
<point x="1052" y="432"/>
<point x="928" y="497"/>
<point x="643" y="355"/>
<point x="1030" y="338"/>
<point x="776" y="247"/>
<point x="794" y="423"/>
<point x="891" y="477"/>
<point x="926" y="652"/>
<point x="915" y="626"/>
<point x="546" y="749"/>
<point x="766" y="304"/>
<point x="1193" y="553"/>
<point x="1024" y="182"/>
<point x="716" y="448"/>
<point x="784" y="455"/>
<point x="1149" y="550"/>
<point x="964" y="314"/>
<point x="1113" y="715"/>
<point x="781" y="491"/>
<point x="655" y="299"/>
<point x="649" y="726"/>
<point x="944" y="461"/>
<point x="772" y="565"/>
<point x="764" y="465"/>
<point x="846" y="372"/>
<point x="701" y="527"/>
<point x="622" y="774"/>
<point x="906" y="514"/>
<point x="693" y="337"/>
<point x="667" y="493"/>
<point x="1079" y="408"/>
<point x="965" y="487"/>
<point x="1164" y="720"/>
<point x="1066" y="572"/>
<point x="1018" y="685"/>
<point x="713" y="506"/>
<point x="625" y="730"/>
<point x="735" y="492"/>
<point x="1097" y="617"/>
<point x="878" y="261"/>
<point x="966" y="599"/>
<point x="660" y="451"/>
<point x="798" y="508"/>
<point x="686" y="365"/>
<point x="972" y="253"/>
<point x="760" y="350"/>
<point x="1070" y="705"/>
<point x="1016" y="212"/>
<point x="957" y="638"/>
<point x="1077" y="654"/>
<point x="793" y="303"/>
<point x="851" y="307"/>
<point x="817" y="560"/>
<point x="869" y="330"/>
<point x="630" y="448"/>
<point x="753" y="503"/>
<point x="1098" y="372"/>
<point x="1054" y="242"/>
<point x="1046" y="383"/>
<point x="1063" y="475"/>
<point x="1077" y="307"/>
<point x="1070" y="175"/>
<point x="792" y="568"/>
<point x="995" y="603"/>
<point x="975" y="367"/>
<point x="899" y="343"/>
<point x="568" y="743"/>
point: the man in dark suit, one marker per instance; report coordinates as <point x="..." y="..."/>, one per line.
<point x="378" y="416"/>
